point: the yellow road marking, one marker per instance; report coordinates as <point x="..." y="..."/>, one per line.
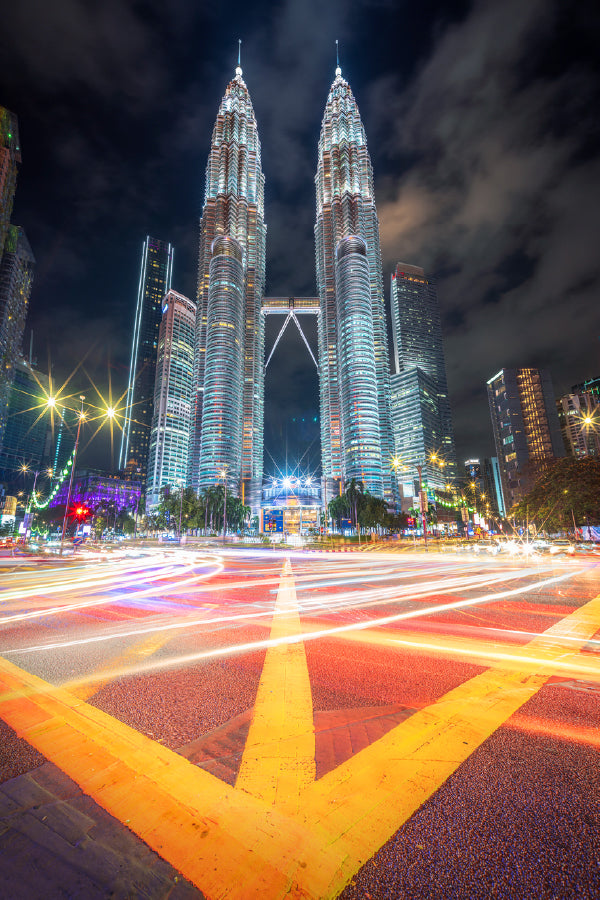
<point x="279" y="756"/>
<point x="234" y="845"/>
<point x="361" y="804"/>
<point x="226" y="842"/>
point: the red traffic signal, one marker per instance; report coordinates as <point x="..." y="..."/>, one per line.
<point x="81" y="512"/>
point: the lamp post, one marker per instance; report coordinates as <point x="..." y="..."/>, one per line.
<point x="180" y="509"/>
<point x="223" y="474"/>
<point x="81" y="419"/>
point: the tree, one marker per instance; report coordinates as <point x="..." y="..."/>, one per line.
<point x="354" y="493"/>
<point x="568" y="490"/>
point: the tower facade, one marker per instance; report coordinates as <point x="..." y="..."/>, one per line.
<point x="10" y="158"/>
<point x="173" y="397"/>
<point x="359" y="410"/>
<point x="155" y="281"/>
<point x="345" y="207"/>
<point x="422" y="422"/>
<point x="233" y="208"/>
<point x="526" y="428"/>
<point x="16" y="277"/>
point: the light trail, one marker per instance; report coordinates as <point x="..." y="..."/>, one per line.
<point x="250" y="647"/>
<point x="86" y="604"/>
<point x="317" y="605"/>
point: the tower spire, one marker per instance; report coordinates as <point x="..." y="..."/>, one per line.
<point x="338" y="71"/>
<point x="238" y="70"/>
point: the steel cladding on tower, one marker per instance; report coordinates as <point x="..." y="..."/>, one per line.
<point x="233" y="207"/>
<point x="359" y="412"/>
<point x="345" y="203"/>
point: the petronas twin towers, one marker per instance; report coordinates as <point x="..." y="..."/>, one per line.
<point x="356" y="437"/>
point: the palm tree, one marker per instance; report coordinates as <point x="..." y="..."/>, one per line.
<point x="354" y="492"/>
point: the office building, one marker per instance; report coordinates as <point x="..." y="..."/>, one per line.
<point x="16" y="278"/>
<point x="417" y="433"/>
<point x="417" y="338"/>
<point x="27" y="434"/>
<point x="345" y="208"/>
<point x="579" y="417"/>
<point x="222" y="417"/>
<point x="10" y="158"/>
<point x="173" y="397"/>
<point x="492" y="486"/>
<point x="234" y="209"/>
<point x="526" y="428"/>
<point x="155" y="281"/>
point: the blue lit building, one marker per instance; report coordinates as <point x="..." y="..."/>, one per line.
<point x="155" y="281"/>
<point x="421" y="415"/>
<point x="233" y="209"/>
<point x="173" y="397"/>
<point x="345" y="207"/>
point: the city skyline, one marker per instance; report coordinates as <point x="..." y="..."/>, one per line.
<point x="500" y="307"/>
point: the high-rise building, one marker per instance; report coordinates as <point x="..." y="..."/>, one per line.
<point x="417" y="433"/>
<point x="173" y="397"/>
<point x="526" y="428"/>
<point x="155" y="281"/>
<point x="222" y="416"/>
<point x="10" y="157"/>
<point x="233" y="208"/>
<point x="417" y="336"/>
<point x="493" y="485"/>
<point x="579" y="417"/>
<point x="345" y="207"/>
<point x="16" y="277"/>
<point x="27" y="436"/>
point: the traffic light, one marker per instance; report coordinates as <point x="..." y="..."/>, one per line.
<point x="81" y="512"/>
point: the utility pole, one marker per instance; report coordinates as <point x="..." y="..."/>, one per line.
<point x="81" y="419"/>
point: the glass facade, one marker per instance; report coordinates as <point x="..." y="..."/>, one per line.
<point x="526" y="428"/>
<point x="417" y="431"/>
<point x="16" y="278"/>
<point x="234" y="207"/>
<point x="223" y="388"/>
<point x="361" y="443"/>
<point x="155" y="281"/>
<point x="173" y="397"/>
<point x="345" y="206"/>
<point x="27" y="435"/>
<point x="417" y="336"/>
<point x="10" y="157"/>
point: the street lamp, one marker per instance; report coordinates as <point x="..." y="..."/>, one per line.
<point x="81" y="419"/>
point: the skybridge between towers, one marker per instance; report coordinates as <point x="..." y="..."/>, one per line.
<point x="291" y="308"/>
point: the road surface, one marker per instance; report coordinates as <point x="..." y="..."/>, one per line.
<point x="192" y="722"/>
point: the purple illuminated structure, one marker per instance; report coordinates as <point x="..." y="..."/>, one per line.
<point x="100" y="492"/>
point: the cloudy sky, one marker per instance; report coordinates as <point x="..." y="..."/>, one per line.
<point x="482" y="124"/>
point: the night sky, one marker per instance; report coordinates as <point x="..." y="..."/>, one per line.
<point x="482" y="124"/>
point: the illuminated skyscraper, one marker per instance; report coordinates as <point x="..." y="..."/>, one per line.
<point x="526" y="428"/>
<point x="16" y="277"/>
<point x="234" y="208"/>
<point x="155" y="281"/>
<point x="422" y="421"/>
<point x="345" y="208"/>
<point x="173" y="397"/>
<point x="221" y="448"/>
<point x="10" y="157"/>
<point x="359" y="412"/>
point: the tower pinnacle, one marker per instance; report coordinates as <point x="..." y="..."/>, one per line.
<point x="338" y="71"/>
<point x="238" y="70"/>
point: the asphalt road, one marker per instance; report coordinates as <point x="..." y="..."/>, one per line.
<point x="252" y="724"/>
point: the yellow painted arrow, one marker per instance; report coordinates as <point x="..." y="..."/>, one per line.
<point x="279" y="833"/>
